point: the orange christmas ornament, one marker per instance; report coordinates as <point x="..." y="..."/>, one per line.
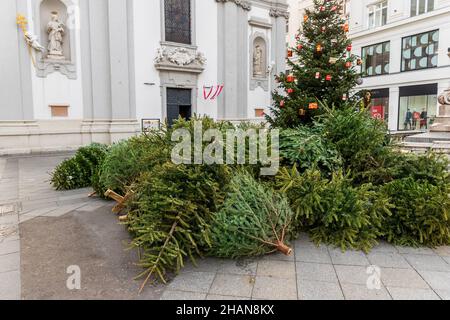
<point x="313" y="106"/>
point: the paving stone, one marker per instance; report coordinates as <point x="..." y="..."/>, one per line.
<point x="9" y="219"/>
<point x="437" y="280"/>
<point x="352" y="274"/>
<point x="443" y="251"/>
<point x="64" y="210"/>
<point x="312" y="254"/>
<point x="10" y="262"/>
<point x="2" y="167"/>
<point x="25" y="217"/>
<point x="232" y="285"/>
<point x="316" y="272"/>
<point x="30" y="207"/>
<point x="316" y="290"/>
<point x="447" y="259"/>
<point x="305" y="242"/>
<point x="278" y="256"/>
<point x="240" y="267"/>
<point x="9" y="247"/>
<point x="404" y="278"/>
<point x="14" y="237"/>
<point x="277" y="269"/>
<point x="352" y="258"/>
<point x="10" y="285"/>
<point x="412" y="294"/>
<point x="427" y="262"/>
<point x="176" y="295"/>
<point x="192" y="282"/>
<point x="384" y="246"/>
<point x="204" y="265"/>
<point x="216" y="297"/>
<point x="39" y="212"/>
<point x="361" y="292"/>
<point x="411" y="250"/>
<point x="443" y="294"/>
<point x="388" y="260"/>
<point x="91" y="207"/>
<point x="8" y="231"/>
<point x="270" y="288"/>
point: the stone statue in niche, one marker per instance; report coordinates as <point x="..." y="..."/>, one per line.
<point x="258" y="61"/>
<point x="56" y="31"/>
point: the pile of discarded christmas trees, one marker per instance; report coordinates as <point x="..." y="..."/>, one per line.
<point x="341" y="178"/>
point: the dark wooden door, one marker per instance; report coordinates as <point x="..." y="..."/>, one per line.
<point x="179" y="103"/>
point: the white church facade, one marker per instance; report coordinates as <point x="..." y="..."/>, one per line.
<point x="81" y="71"/>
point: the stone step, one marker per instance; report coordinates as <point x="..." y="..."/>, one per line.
<point x="422" y="147"/>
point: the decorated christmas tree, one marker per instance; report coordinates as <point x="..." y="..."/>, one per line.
<point x="321" y="67"/>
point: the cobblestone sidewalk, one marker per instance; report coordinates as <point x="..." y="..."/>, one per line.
<point x="25" y="193"/>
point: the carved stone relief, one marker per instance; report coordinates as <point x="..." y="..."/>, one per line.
<point x="179" y="58"/>
<point x="56" y="31"/>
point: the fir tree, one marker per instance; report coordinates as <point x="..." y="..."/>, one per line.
<point x="322" y="71"/>
<point x="253" y="221"/>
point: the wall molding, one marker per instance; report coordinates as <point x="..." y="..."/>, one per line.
<point x="263" y="81"/>
<point x="240" y="3"/>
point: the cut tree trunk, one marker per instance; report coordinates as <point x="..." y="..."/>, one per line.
<point x="284" y="248"/>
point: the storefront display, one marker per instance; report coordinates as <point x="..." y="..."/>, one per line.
<point x="417" y="108"/>
<point x="379" y="106"/>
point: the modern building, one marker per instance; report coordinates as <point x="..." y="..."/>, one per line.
<point x="405" y="48"/>
<point x="78" y="71"/>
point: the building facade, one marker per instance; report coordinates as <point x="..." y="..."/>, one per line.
<point x="80" y="71"/>
<point x="405" y="48"/>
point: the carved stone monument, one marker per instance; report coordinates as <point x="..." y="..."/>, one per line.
<point x="442" y="122"/>
<point x="55" y="31"/>
<point x="258" y="62"/>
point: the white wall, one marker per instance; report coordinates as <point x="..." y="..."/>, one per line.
<point x="56" y="88"/>
<point x="147" y="35"/>
<point x="206" y="38"/>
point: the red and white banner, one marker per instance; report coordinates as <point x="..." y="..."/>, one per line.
<point x="212" y="93"/>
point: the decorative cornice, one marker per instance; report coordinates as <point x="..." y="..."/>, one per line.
<point x="279" y="13"/>
<point x="241" y="3"/>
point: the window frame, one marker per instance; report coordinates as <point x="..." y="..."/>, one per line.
<point x="383" y="72"/>
<point x="403" y="65"/>
<point x="164" y="38"/>
<point x="427" y="9"/>
<point x="373" y="9"/>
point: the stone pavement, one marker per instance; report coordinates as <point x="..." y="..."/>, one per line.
<point x="25" y="194"/>
<point x="320" y="273"/>
<point x="42" y="231"/>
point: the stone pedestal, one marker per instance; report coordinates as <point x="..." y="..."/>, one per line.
<point x="442" y="122"/>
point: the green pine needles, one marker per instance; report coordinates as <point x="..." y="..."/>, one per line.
<point x="323" y="68"/>
<point x="78" y="171"/>
<point x="253" y="221"/>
